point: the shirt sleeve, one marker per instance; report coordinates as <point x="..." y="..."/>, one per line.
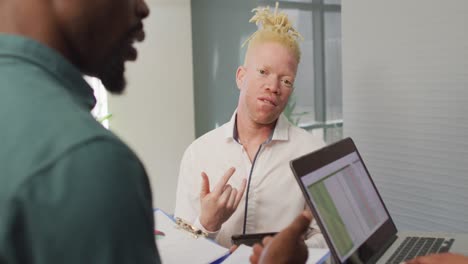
<point x="93" y="205"/>
<point x="187" y="204"/>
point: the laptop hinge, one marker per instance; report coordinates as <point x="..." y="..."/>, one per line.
<point x="383" y="249"/>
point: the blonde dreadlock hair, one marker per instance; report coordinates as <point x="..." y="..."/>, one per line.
<point x="275" y="27"/>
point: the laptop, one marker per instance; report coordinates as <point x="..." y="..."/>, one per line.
<point x="352" y="215"/>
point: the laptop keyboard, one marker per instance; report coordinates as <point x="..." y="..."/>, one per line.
<point x="419" y="246"/>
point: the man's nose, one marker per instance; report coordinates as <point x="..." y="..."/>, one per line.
<point x="274" y="85"/>
<point x="142" y="9"/>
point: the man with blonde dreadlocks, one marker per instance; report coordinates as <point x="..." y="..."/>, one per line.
<point x="246" y="160"/>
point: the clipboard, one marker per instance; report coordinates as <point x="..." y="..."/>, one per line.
<point x="183" y="243"/>
<point x="187" y="227"/>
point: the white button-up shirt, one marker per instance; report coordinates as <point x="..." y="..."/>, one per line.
<point x="274" y="198"/>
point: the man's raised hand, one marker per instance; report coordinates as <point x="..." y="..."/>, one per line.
<point x="219" y="204"/>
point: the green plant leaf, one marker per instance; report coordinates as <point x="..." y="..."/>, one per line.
<point x="104" y="118"/>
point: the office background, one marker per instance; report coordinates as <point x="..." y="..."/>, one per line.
<point x="401" y="83"/>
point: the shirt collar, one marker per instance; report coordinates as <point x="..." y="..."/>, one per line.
<point x="280" y="133"/>
<point x="33" y="52"/>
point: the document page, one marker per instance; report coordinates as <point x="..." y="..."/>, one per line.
<point x="179" y="246"/>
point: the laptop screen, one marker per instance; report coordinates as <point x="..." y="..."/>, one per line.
<point x="338" y="188"/>
<point x="346" y="202"/>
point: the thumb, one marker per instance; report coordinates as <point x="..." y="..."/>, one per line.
<point x="205" y="186"/>
<point x="233" y="248"/>
<point x="300" y="225"/>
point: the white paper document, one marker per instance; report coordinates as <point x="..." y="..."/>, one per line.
<point x="243" y="253"/>
<point x="240" y="255"/>
<point x="179" y="246"/>
<point x="318" y="255"/>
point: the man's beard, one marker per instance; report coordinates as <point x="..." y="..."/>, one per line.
<point x="112" y="76"/>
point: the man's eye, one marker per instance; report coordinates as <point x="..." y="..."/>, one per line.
<point x="287" y="83"/>
<point x="262" y="72"/>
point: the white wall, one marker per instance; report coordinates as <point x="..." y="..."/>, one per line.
<point x="405" y="90"/>
<point x="155" y="116"/>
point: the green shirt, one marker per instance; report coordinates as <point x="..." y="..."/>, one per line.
<point x="70" y="190"/>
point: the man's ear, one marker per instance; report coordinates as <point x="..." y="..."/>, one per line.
<point x="240" y="74"/>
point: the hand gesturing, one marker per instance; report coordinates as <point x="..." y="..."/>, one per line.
<point x="219" y="204"/>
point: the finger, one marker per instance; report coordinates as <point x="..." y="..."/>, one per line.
<point x="257" y="249"/>
<point x="222" y="182"/>
<point x="266" y="240"/>
<point x="233" y="248"/>
<point x="254" y="259"/>
<point x="205" y="186"/>
<point x="308" y="214"/>
<point x="224" y="198"/>
<point x="232" y="199"/>
<point x="299" y="226"/>
<point x="256" y="252"/>
<point x="240" y="193"/>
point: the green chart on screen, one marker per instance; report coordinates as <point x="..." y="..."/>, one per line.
<point x="331" y="218"/>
